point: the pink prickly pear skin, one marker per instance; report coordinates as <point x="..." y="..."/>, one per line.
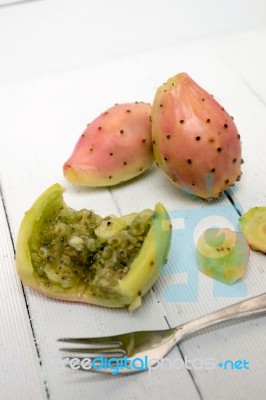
<point x="195" y="140"/>
<point x="115" y="147"/>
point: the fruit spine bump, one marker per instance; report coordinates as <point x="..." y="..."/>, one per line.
<point x="195" y="141"/>
<point x="114" y="148"/>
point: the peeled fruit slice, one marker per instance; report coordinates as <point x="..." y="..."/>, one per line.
<point x="223" y="254"/>
<point x="253" y="226"/>
<point x="80" y="256"/>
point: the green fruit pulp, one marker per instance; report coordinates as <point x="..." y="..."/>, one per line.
<point x="65" y="253"/>
<point x="253" y="226"/>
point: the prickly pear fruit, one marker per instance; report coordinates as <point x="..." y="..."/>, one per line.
<point x="115" y="147"/>
<point x="80" y="256"/>
<point x="253" y="226"/>
<point x="223" y="254"/>
<point x="195" y="140"/>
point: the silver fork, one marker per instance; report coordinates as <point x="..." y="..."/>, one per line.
<point x="135" y="351"/>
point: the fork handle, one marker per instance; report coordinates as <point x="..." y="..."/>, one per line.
<point x="245" y="308"/>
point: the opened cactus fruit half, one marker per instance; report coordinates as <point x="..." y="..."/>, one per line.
<point x="223" y="254"/>
<point x="80" y="256"/>
<point x="253" y="226"/>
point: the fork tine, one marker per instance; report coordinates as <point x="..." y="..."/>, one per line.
<point x="94" y="353"/>
<point x="98" y="342"/>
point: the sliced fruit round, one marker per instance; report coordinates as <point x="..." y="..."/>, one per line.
<point x="223" y="254"/>
<point x="80" y="256"/>
<point x="253" y="226"/>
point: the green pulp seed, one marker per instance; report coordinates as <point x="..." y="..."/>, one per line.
<point x="66" y="251"/>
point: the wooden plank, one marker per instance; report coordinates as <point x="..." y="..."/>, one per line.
<point x="20" y="376"/>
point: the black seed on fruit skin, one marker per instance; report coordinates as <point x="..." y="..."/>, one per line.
<point x="211" y="140"/>
<point x="128" y="111"/>
<point x="219" y="149"/>
<point x="111" y="154"/>
<point x="82" y="135"/>
<point x="122" y="131"/>
<point x="99" y="128"/>
<point x="242" y="161"/>
<point x="150" y="118"/>
<point x="189" y="161"/>
<point x="165" y="90"/>
<point x="238" y="178"/>
<point x="194" y="183"/>
<point x="139" y="293"/>
<point x="110" y="177"/>
<point x="91" y="149"/>
<point x="109" y="223"/>
<point x="208" y="120"/>
<point x="213" y="170"/>
<point x="165" y="158"/>
<point x="198" y="138"/>
<point x="228" y="248"/>
<point x="174" y="179"/>
<point x="181" y="121"/>
<point x="153" y="142"/>
<point x="234" y="160"/>
<point x="168" y="136"/>
<point x="226" y="181"/>
<point x="143" y="140"/>
<point x="125" y="163"/>
<point x="202" y="99"/>
<point x="232" y="117"/>
<point x="225" y="126"/>
<point x="152" y="263"/>
<point x="238" y="136"/>
<point x="105" y="113"/>
<point x="161" y="105"/>
<point x="222" y="108"/>
<point x="141" y="169"/>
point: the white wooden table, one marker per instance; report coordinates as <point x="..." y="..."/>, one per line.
<point x="61" y="64"/>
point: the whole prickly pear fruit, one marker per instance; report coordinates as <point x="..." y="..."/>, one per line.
<point x="115" y="147"/>
<point x="195" y="140"/>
